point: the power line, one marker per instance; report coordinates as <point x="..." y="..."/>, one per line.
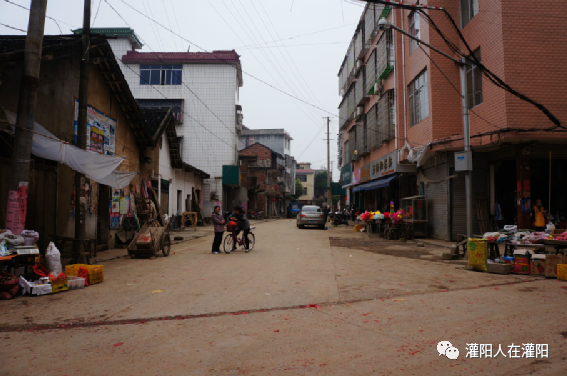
<point x="97" y="9"/>
<point x="13" y="28"/>
<point x="51" y="18"/>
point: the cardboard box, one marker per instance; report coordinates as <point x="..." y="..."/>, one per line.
<point x="521" y="264"/>
<point x="551" y="262"/>
<point x="537" y="267"/>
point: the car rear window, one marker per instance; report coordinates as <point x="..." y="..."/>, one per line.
<point x="311" y="209"/>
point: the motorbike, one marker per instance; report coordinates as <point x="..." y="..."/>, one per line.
<point x="255" y="215"/>
<point x="340" y="218"/>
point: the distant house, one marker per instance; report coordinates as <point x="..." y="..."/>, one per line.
<point x="306" y="176"/>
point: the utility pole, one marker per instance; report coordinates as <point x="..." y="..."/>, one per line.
<point x="329" y="193"/>
<point x="82" y="129"/>
<point x="467" y="147"/>
<point x="21" y="158"/>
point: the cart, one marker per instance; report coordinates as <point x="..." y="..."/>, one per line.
<point x="151" y="238"/>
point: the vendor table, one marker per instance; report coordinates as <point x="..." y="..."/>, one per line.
<point x="88" y="245"/>
<point x="493" y="250"/>
<point x="189" y="216"/>
<point x="17" y="261"/>
<point x="509" y="248"/>
<point x="557" y="244"/>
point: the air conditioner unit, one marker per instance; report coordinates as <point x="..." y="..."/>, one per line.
<point x="378" y="87"/>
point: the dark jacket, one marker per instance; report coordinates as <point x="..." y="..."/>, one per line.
<point x="241" y="221"/>
<point x="218" y="222"/>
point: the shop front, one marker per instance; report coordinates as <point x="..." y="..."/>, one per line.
<point x="383" y="181"/>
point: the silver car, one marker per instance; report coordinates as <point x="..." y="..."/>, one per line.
<point x="311" y="215"/>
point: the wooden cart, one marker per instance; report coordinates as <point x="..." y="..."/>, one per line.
<point x="150" y="240"/>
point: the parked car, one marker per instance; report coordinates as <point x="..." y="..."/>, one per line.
<point x="293" y="209"/>
<point x="311" y="215"/>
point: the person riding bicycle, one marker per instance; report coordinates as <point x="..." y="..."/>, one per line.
<point x="242" y="224"/>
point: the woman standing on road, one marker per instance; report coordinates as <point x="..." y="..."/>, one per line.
<point x="218" y="221"/>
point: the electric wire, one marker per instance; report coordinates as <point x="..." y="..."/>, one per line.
<point x="51" y="18"/>
<point x="13" y="28"/>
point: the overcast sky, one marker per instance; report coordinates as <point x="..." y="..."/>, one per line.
<point x="296" y="46"/>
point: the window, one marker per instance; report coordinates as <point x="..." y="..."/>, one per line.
<point x="347" y="152"/>
<point x="414" y="30"/>
<point x="160" y="74"/>
<point x="176" y="106"/>
<point x="311" y="209"/>
<point x="469" y="9"/>
<point x="418" y="99"/>
<point x="305" y="190"/>
<point x="474" y="83"/>
<point x="302" y="178"/>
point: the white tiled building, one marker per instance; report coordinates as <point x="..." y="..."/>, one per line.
<point x="203" y="90"/>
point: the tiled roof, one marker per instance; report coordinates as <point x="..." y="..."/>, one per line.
<point x="301" y="171"/>
<point x="215" y="57"/>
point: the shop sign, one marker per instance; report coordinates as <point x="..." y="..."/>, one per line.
<point x="231" y="176"/>
<point x="346" y="175"/>
<point x="388" y="165"/>
<point x="365" y="174"/>
<point x="356" y="177"/>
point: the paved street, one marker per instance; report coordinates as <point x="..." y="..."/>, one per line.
<point x="295" y="305"/>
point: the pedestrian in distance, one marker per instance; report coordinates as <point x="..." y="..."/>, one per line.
<point x="242" y="224"/>
<point x="218" y="222"/>
<point x="326" y="212"/>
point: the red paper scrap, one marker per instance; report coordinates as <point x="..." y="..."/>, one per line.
<point x="118" y="344"/>
<point x="312" y="306"/>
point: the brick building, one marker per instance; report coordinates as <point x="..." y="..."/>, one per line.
<point x="262" y="171"/>
<point x="402" y="112"/>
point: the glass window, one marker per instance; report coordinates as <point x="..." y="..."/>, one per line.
<point x="469" y="9"/>
<point x="311" y="209"/>
<point x="302" y="178"/>
<point x="418" y="99"/>
<point x="414" y="30"/>
<point x="161" y="74"/>
<point x="474" y="83"/>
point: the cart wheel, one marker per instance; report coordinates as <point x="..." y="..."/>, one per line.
<point x="166" y="245"/>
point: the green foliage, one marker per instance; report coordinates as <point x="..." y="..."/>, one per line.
<point x="298" y="189"/>
<point x="321" y="181"/>
<point x="336" y="198"/>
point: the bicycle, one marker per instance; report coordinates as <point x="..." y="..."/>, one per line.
<point x="231" y="238"/>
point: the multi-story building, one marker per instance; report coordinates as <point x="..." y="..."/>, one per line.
<point x="202" y="89"/>
<point x="277" y="140"/>
<point x="402" y="111"/>
<point x="262" y="170"/>
<point x="306" y="176"/>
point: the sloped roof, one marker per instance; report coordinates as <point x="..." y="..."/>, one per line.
<point x="215" y="57"/>
<point x="258" y="143"/>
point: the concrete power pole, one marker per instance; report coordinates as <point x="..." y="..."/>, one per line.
<point x="82" y="127"/>
<point x="20" y="173"/>
<point x="329" y="193"/>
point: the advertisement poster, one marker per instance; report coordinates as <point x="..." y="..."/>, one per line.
<point x="16" y="213"/>
<point x="101" y="131"/>
<point x="356" y="177"/>
<point x="123" y="206"/>
<point x="114" y="208"/>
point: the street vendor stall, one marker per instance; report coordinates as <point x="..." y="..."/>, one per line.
<point x="415" y="209"/>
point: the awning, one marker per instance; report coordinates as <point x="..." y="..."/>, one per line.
<point x="381" y="183"/>
<point x="98" y="167"/>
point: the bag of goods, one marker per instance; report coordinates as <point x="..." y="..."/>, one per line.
<point x="511" y="228"/>
<point x="9" y="286"/>
<point x="478" y="250"/>
<point x="53" y="259"/>
<point x="30" y="237"/>
<point x="3" y="233"/>
<point x="14" y="240"/>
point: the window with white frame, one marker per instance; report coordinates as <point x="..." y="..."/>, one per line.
<point x="418" y="99"/>
<point x="166" y="74"/>
<point x="302" y="178"/>
<point x="474" y="82"/>
<point x="414" y="30"/>
<point x="469" y="9"/>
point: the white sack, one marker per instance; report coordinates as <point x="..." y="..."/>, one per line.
<point x="53" y="260"/>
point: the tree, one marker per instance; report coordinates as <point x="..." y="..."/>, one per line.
<point x="321" y="183"/>
<point x="298" y="189"/>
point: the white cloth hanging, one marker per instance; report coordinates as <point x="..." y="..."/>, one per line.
<point x="98" y="167"/>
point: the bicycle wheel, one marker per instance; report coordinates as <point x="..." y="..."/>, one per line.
<point x="251" y="241"/>
<point x="227" y="243"/>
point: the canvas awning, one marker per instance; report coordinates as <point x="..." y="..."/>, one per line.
<point x="381" y="183"/>
<point x="98" y="167"/>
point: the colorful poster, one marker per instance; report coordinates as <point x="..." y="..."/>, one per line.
<point x="17" y="209"/>
<point x="123" y="206"/>
<point x="356" y="177"/>
<point x="101" y="131"/>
